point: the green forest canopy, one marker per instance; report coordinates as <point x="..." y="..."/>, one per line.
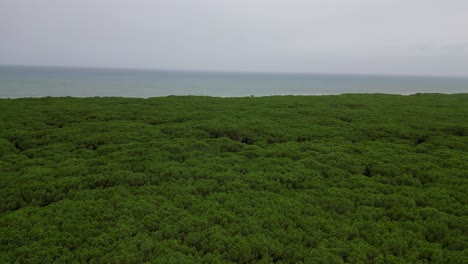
<point x="316" y="179"/>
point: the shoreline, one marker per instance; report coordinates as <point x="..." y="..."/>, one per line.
<point x="226" y="97"/>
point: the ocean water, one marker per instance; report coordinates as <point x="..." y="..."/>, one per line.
<point x="16" y="81"/>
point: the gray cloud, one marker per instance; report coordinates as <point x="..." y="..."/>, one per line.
<point x="361" y="36"/>
<point x="458" y="47"/>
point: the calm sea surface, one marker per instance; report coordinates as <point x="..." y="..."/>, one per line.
<point x="81" y="82"/>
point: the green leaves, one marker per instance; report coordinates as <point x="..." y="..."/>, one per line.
<point x="287" y="179"/>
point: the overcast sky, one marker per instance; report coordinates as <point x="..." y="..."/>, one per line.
<point x="334" y="36"/>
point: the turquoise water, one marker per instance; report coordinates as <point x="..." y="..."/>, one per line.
<point x="18" y="82"/>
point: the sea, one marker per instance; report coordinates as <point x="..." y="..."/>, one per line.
<point x="28" y="81"/>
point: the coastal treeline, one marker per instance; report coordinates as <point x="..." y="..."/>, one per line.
<point x="282" y="179"/>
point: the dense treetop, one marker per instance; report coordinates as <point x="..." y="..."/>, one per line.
<point x="286" y="179"/>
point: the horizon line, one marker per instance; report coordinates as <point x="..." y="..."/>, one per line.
<point x="129" y="68"/>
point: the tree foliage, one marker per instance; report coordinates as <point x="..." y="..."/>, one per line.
<point x="284" y="179"/>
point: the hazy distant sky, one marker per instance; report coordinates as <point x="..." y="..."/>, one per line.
<point x="336" y="36"/>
